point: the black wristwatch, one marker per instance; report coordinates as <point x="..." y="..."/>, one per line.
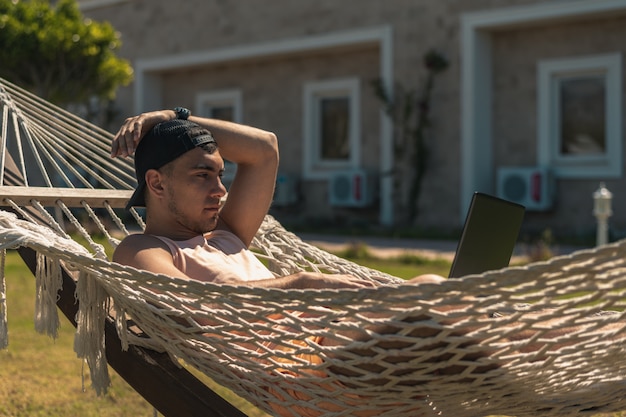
<point x="182" y="113"/>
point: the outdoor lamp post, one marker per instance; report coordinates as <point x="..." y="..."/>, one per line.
<point x="602" y="211"/>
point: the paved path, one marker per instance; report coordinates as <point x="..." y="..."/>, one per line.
<point x="393" y="247"/>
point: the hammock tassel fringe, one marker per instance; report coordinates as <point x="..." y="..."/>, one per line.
<point x="89" y="339"/>
<point x="4" y="333"/>
<point x="48" y="284"/>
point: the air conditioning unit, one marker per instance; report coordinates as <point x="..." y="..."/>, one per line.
<point x="532" y="187"/>
<point x="286" y="191"/>
<point x="354" y="188"/>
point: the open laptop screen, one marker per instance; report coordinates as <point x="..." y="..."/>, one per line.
<point x="489" y="235"/>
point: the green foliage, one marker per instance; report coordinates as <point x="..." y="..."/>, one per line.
<point x="541" y="249"/>
<point x="356" y="251"/>
<point x="409" y="110"/>
<point x="58" y="54"/>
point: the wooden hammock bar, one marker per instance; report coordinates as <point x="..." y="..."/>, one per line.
<point x="72" y="197"/>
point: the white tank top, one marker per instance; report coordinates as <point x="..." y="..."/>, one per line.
<point x="219" y="257"/>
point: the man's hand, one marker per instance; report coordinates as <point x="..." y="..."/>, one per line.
<point x="134" y="128"/>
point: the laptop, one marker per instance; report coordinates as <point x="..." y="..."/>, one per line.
<point x="489" y="235"/>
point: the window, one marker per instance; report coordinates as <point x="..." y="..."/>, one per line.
<point x="223" y="105"/>
<point x="331" y="126"/>
<point x="579" y="129"/>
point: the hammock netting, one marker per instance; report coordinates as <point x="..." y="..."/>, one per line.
<point x="542" y="339"/>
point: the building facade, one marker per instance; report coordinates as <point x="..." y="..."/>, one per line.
<point x="529" y="108"/>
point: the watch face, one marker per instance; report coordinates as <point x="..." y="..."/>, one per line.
<point x="182" y="113"/>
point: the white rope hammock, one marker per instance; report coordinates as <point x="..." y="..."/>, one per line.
<point x="545" y="339"/>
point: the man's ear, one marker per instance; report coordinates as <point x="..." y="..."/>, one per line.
<point x="154" y="182"/>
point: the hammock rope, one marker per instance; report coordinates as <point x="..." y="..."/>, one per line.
<point x="4" y="337"/>
<point x="546" y="338"/>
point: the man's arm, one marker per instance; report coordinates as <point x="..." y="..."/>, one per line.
<point x="255" y="152"/>
<point x="151" y="254"/>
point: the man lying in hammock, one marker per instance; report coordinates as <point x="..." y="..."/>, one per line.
<point x="188" y="233"/>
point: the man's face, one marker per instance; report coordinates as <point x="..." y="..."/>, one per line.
<point x="194" y="189"/>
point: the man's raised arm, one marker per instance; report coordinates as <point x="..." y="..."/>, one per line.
<point x="255" y="152"/>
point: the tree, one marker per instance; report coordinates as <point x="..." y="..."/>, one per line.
<point x="409" y="110"/>
<point x="56" y="53"/>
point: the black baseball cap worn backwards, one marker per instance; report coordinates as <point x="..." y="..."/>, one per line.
<point x="162" y="144"/>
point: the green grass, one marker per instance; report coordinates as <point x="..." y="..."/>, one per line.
<point x="42" y="377"/>
<point x="404" y="266"/>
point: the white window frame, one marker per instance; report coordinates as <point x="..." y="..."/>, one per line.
<point x="607" y="165"/>
<point x="314" y="166"/>
<point x="222" y="98"/>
